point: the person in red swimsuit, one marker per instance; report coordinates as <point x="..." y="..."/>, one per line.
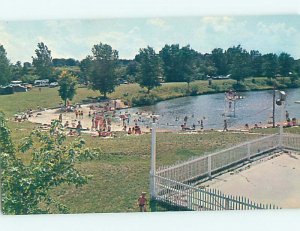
<point x="142" y="202"/>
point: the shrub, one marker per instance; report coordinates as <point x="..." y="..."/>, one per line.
<point x="216" y="87"/>
<point x="147" y="99"/>
<point x="239" y="87"/>
<point x="194" y="90"/>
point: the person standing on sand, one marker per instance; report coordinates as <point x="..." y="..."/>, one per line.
<point x="60" y="118"/>
<point x="287" y="115"/>
<point x="142" y="202"/>
<point x="225" y="126"/>
<point x="78" y="128"/>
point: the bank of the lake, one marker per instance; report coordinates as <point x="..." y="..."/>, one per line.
<point x="131" y="94"/>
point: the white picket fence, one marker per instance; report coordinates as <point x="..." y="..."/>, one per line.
<point x="208" y="164"/>
<point x="171" y="182"/>
<point x="291" y="142"/>
<point x="197" y="199"/>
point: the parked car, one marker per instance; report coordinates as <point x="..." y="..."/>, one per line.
<point x="54" y="84"/>
<point x="41" y="83"/>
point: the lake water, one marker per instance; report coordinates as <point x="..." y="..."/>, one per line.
<point x="254" y="108"/>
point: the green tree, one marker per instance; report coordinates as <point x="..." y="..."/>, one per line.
<point x="86" y="68"/>
<point x="187" y="64"/>
<point x="5" y="68"/>
<point x="17" y="71"/>
<point x="103" y="75"/>
<point x="67" y="86"/>
<point x="43" y="62"/>
<point x="220" y="61"/>
<point x="206" y="66"/>
<point x="270" y="65"/>
<point x="26" y="187"/>
<point x="285" y="64"/>
<point x="239" y="63"/>
<point x="179" y="64"/>
<point x="132" y="70"/>
<point x="256" y="63"/>
<point x="149" y="68"/>
<point x="170" y="57"/>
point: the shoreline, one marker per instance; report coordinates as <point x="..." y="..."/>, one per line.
<point x="207" y="93"/>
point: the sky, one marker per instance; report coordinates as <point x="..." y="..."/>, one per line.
<point x="75" y="38"/>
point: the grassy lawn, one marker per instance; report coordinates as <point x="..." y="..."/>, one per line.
<point x="122" y="170"/>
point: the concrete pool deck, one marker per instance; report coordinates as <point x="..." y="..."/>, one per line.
<point x="272" y="180"/>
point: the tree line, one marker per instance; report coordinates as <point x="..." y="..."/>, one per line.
<point x="103" y="69"/>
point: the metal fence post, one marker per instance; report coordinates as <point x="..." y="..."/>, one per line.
<point x="281" y="124"/>
<point x="190" y="198"/>
<point x="249" y="151"/>
<point x="153" y="163"/>
<point x="226" y="203"/>
<point x="209" y="165"/>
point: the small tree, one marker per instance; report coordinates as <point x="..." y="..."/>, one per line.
<point x="67" y="86"/>
<point x="43" y="61"/>
<point x="149" y="68"/>
<point x="26" y="187"/>
<point x="103" y="75"/>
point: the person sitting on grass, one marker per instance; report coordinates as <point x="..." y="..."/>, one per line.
<point x="129" y="131"/>
<point x="71" y="133"/>
<point x="66" y="124"/>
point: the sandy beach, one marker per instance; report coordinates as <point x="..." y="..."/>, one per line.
<point x="106" y="109"/>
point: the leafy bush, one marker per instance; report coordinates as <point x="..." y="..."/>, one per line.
<point x="194" y="90"/>
<point x="26" y="187"/>
<point x="239" y="86"/>
<point x="147" y="99"/>
<point x="216" y="87"/>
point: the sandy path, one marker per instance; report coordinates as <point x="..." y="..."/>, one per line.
<point x="275" y="181"/>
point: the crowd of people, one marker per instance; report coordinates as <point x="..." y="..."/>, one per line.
<point x="101" y="119"/>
